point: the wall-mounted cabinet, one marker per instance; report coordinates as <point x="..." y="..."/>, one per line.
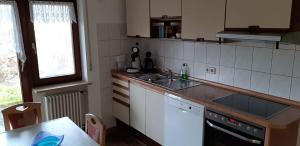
<point x="159" y="8"/>
<point x="202" y="19"/>
<point x="138" y="18"/>
<point x="262" y="13"/>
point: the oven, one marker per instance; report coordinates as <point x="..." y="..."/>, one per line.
<point x="222" y="130"/>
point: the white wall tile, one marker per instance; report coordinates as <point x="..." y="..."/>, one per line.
<point x="169" y="63"/>
<point x="213" y="54"/>
<point x="242" y="78"/>
<point x="105" y="79"/>
<point x="155" y="47"/>
<point x="178" y="49"/>
<point x="260" y="82"/>
<point x="177" y="64"/>
<point x="199" y="70"/>
<point x="244" y="57"/>
<point x="262" y="59"/>
<point x="124" y="31"/>
<point x="189" y="51"/>
<point x="296" y="70"/>
<point x="282" y="62"/>
<point x="169" y="48"/>
<point x="287" y="46"/>
<point x="190" y="66"/>
<point x="159" y="62"/>
<point x="104" y="49"/>
<point x="114" y="31"/>
<point x="113" y="64"/>
<point x="226" y="75"/>
<point x="200" y="52"/>
<point x="298" y="47"/>
<point x="295" y="91"/>
<point x="103" y="31"/>
<point x="114" y="47"/>
<point x="280" y="86"/>
<point x="227" y="55"/>
<point x="213" y="77"/>
<point x="105" y="64"/>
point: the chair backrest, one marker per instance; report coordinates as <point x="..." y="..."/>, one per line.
<point x="95" y="128"/>
<point x="22" y="115"/>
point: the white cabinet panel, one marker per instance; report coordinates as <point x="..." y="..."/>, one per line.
<point x="265" y="13"/>
<point x="159" y="8"/>
<point x="137" y="108"/>
<point x="202" y="18"/>
<point x="138" y="18"/>
<point x="155" y="116"/>
<point x="121" y="112"/>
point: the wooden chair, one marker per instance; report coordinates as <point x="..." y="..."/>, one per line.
<point x="22" y="115"/>
<point x="95" y="128"/>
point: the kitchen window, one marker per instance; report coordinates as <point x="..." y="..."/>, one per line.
<point x="54" y="42"/>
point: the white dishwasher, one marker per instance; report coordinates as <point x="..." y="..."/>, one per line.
<point x="183" y="122"/>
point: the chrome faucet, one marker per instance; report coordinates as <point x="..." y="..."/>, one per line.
<point x="170" y="74"/>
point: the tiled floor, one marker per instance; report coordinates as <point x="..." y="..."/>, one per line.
<point x="118" y="138"/>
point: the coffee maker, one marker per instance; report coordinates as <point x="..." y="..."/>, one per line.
<point x="135" y="61"/>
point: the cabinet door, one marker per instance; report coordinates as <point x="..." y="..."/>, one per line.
<point x="202" y="18"/>
<point x="155" y="116"/>
<point x="159" y="8"/>
<point x="138" y="18"/>
<point x="137" y="107"/>
<point x="265" y="13"/>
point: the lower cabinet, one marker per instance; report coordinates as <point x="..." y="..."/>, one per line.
<point x="137" y="108"/>
<point x="155" y="116"/>
<point x="147" y="112"/>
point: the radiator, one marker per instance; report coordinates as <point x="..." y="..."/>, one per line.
<point x="68" y="104"/>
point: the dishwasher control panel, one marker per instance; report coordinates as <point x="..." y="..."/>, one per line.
<point x="245" y="127"/>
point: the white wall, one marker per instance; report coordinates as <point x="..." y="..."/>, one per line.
<point x="101" y="12"/>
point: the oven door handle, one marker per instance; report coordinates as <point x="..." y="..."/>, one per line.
<point x="233" y="134"/>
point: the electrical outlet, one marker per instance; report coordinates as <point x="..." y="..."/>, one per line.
<point x="211" y="70"/>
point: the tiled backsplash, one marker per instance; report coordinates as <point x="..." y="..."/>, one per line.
<point x="255" y="66"/>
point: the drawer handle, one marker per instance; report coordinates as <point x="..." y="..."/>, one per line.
<point x="233" y="134"/>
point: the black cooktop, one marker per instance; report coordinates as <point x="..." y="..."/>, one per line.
<point x="252" y="105"/>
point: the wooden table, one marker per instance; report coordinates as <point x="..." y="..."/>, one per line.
<point x="73" y="135"/>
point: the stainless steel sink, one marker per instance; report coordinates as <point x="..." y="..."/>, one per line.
<point x="152" y="77"/>
<point x="172" y="84"/>
<point x="177" y="84"/>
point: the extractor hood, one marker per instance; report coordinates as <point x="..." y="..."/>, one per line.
<point x="235" y="35"/>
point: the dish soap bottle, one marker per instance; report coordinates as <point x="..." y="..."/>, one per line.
<point x="184" y="71"/>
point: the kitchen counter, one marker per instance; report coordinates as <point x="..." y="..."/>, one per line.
<point x="285" y="122"/>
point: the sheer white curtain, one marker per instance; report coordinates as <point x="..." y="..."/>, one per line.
<point x="53" y="37"/>
<point x="42" y="11"/>
<point x="10" y="30"/>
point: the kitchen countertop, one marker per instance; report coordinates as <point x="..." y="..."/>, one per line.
<point x="208" y="91"/>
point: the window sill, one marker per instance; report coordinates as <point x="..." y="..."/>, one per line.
<point x="46" y="89"/>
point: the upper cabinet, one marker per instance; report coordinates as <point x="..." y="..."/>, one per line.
<point x="202" y="19"/>
<point x="159" y="8"/>
<point x="262" y="13"/>
<point x="138" y="18"/>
